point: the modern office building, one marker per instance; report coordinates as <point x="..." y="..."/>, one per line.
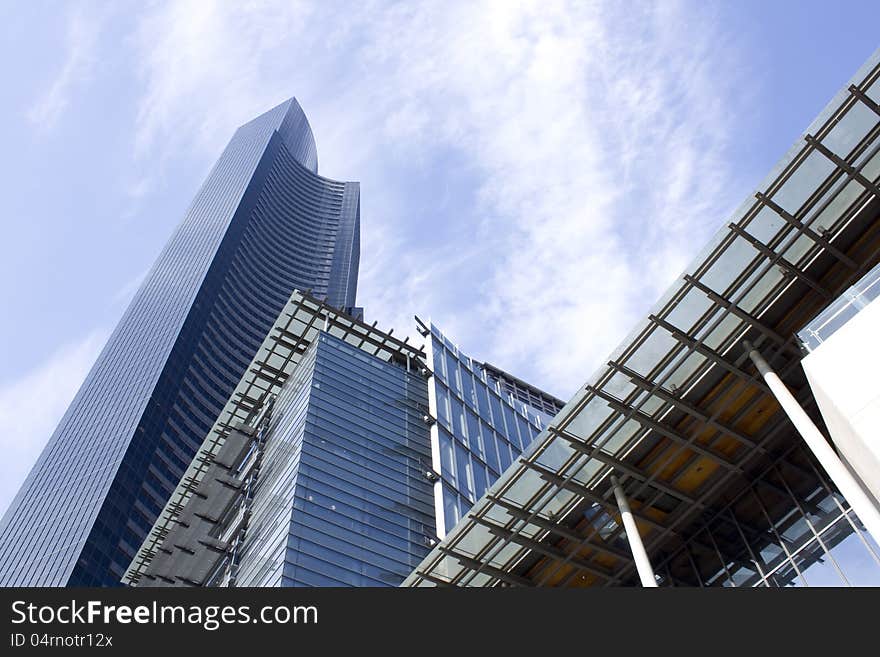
<point x="263" y="224"/>
<point x="485" y="418"/>
<point x="341" y="455"/>
<point x="697" y="455"/>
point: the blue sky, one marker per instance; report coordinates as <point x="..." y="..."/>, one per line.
<point x="533" y="176"/>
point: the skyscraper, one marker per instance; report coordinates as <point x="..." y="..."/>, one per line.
<point x="314" y="473"/>
<point x="341" y="458"/>
<point x="262" y="224"/>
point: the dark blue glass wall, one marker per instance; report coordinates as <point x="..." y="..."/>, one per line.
<point x="262" y="224"/>
<point x="342" y="498"/>
<point x="481" y="429"/>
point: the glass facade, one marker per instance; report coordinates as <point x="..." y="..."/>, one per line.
<point x="546" y="406"/>
<point x="342" y="498"/>
<point x="263" y="224"/>
<point x="482" y="426"/>
<point x="790" y="527"/>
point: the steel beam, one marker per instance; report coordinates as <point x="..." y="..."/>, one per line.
<point x="554" y="527"/>
<point x="682" y="405"/>
<point x="667" y="431"/>
<point x="542" y="548"/>
<point x="775" y="257"/>
<point x="868" y="102"/>
<point x="806" y="230"/>
<point x="594" y="452"/>
<point x="478" y="566"/>
<point x="709" y="353"/>
<point x="850" y="170"/>
<point x="583" y="491"/>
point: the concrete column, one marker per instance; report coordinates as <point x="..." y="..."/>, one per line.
<point x="643" y="565"/>
<point x="863" y="506"/>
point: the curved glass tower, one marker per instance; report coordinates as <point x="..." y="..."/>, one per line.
<point x="263" y="224"/>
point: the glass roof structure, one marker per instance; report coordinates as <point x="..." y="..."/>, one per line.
<point x="297" y="326"/>
<point x="678" y="412"/>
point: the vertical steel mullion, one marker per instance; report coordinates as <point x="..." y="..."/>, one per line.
<point x="690" y="556"/>
<point x="718" y="553"/>
<point x="816" y="535"/>
<point x="779" y="538"/>
<point x="749" y="549"/>
<point x="846" y="511"/>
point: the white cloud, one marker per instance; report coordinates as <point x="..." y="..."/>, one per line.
<point x="203" y="63"/>
<point x="593" y="139"/>
<point x="31" y="407"/>
<point x="79" y="63"/>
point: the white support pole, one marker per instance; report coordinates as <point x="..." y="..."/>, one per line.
<point x="643" y="565"/>
<point x="846" y="483"/>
